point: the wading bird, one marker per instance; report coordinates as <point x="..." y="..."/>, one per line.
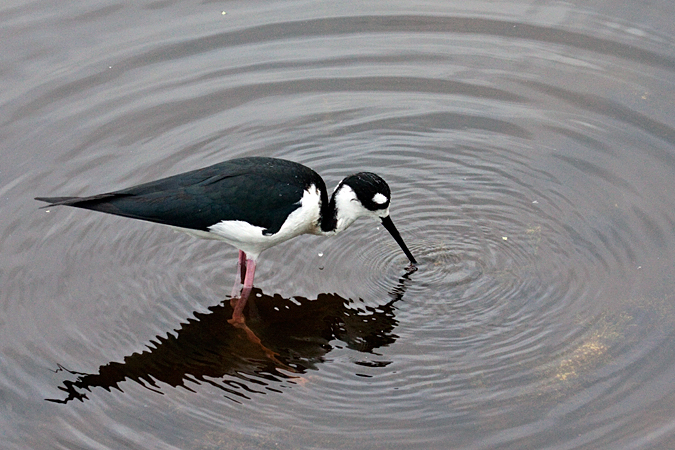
<point x="250" y="203"/>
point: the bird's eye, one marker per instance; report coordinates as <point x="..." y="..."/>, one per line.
<point x="380" y="199"/>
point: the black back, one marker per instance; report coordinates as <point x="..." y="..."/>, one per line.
<point x="260" y="191"/>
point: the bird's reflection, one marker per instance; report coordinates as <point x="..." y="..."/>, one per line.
<point x="281" y="340"/>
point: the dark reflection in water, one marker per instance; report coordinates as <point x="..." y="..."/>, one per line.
<point x="281" y="339"/>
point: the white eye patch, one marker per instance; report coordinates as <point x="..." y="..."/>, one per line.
<point x="379" y="199"/>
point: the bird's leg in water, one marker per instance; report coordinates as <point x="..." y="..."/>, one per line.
<point x="272" y="355"/>
<point x="245" y="266"/>
<point x="238" y="314"/>
<point x="239" y="277"/>
<point x="241" y="265"/>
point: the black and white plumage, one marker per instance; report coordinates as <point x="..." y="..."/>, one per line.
<point x="251" y="203"/>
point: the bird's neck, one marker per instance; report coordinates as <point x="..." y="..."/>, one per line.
<point x="328" y="219"/>
<point x="340" y="211"/>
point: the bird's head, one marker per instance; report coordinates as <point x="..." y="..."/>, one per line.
<point x="366" y="194"/>
<point x="361" y="194"/>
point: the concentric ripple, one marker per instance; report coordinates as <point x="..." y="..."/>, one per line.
<point x="531" y="156"/>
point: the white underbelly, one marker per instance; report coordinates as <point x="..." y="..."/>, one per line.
<point x="250" y="238"/>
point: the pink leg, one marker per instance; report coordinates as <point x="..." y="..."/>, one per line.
<point x="241" y="264"/>
<point x="238" y="314"/>
<point x="241" y="273"/>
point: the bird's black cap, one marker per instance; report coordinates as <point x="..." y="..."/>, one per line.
<point x="366" y="185"/>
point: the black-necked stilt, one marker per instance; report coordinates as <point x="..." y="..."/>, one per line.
<point x="250" y="203"/>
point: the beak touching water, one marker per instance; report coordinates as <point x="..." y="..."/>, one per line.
<point x="389" y="225"/>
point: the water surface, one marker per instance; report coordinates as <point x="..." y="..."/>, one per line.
<point x="530" y="148"/>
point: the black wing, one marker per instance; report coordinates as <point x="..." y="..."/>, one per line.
<point x="256" y="190"/>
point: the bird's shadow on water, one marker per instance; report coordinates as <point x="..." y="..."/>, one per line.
<point x="282" y="339"/>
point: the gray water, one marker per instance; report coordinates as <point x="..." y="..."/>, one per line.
<point x="530" y="148"/>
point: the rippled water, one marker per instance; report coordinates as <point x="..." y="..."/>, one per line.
<point x="530" y="148"/>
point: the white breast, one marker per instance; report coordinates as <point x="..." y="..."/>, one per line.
<point x="250" y="238"/>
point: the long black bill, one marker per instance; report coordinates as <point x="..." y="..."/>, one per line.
<point x="389" y="225"/>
